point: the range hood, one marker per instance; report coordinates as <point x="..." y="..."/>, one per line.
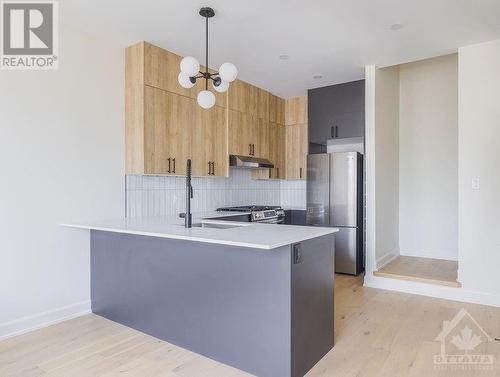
<point x="249" y="162"/>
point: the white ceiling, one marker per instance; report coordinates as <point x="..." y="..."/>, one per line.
<point x="332" y="38"/>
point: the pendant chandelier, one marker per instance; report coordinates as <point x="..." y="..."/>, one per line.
<point x="190" y="71"/>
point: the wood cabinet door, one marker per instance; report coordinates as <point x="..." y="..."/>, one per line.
<point x="262" y="103"/>
<point x="292" y="155"/>
<point x="277" y="150"/>
<point x="296" y="111"/>
<point x="242" y="131"/>
<point x="276" y="109"/>
<point x="276" y="154"/>
<point x="261" y="138"/>
<point x="248" y="99"/>
<point x="214" y="142"/>
<point x="238" y="96"/>
<point x="296" y="151"/>
<point x="303" y="142"/>
<point x="161" y="68"/>
<point x="168" y="119"/>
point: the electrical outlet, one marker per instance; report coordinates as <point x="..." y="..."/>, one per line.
<point x="297" y="253"/>
<point x="476" y="184"/>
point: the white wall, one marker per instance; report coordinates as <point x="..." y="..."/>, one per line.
<point x="478" y="182"/>
<point x="428" y="158"/>
<point x="386" y="163"/>
<point x="62" y="158"/>
<point x="479" y="158"/>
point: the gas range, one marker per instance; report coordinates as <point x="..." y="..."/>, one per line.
<point x="263" y="214"/>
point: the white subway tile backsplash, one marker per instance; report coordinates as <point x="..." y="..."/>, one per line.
<point x="164" y="196"/>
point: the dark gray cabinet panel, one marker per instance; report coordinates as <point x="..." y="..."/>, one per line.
<point x="312" y="302"/>
<point x="229" y="303"/>
<point x="349" y="125"/>
<point x="336" y="111"/>
<point x="269" y="313"/>
<point x="295" y="217"/>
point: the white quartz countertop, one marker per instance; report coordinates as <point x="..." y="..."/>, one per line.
<point x="243" y="234"/>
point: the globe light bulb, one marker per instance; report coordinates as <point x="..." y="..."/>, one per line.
<point x="184" y="80"/>
<point x="222" y="87"/>
<point x="190" y="66"/>
<point x="228" y="72"/>
<point x="206" y="99"/>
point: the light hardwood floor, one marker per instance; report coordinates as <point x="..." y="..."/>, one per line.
<point x="377" y="333"/>
<point x="426" y="270"/>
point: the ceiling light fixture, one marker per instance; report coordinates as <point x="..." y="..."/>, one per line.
<point x="395" y="27"/>
<point x="284" y="57"/>
<point x="317" y="77"/>
<point x="190" y="71"/>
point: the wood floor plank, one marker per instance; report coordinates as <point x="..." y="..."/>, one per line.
<point x="377" y="334"/>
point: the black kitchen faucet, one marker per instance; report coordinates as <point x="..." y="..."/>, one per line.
<point x="187" y="216"/>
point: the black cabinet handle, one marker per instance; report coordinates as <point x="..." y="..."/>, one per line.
<point x="332" y="132"/>
<point x="300" y="172"/>
<point x="169" y="165"/>
<point x="270" y="173"/>
<point x="253" y="149"/>
<point x="209" y="166"/>
<point x="249" y="149"/>
<point x="277" y="172"/>
<point x="336" y="132"/>
<point x="213" y="168"/>
<point x="173" y="160"/>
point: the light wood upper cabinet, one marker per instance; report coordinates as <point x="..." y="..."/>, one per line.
<point x="296" y="110"/>
<point x="241" y="128"/>
<point x="262" y="139"/>
<point x="214" y="143"/>
<point x="296" y="151"/>
<point x="276" y="109"/>
<point x="277" y="140"/>
<point x="296" y="137"/>
<point x="161" y="68"/>
<point x="248" y="135"/>
<point x="248" y="99"/>
<point x="278" y="151"/>
<point x="164" y="124"/>
<point x="176" y="128"/>
<point x="167" y="131"/>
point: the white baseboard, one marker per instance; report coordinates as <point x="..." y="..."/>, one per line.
<point x="431" y="290"/>
<point x="424" y="254"/>
<point x="37" y="321"/>
<point x="386" y="259"/>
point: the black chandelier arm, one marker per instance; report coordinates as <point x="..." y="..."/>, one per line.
<point x="206" y="75"/>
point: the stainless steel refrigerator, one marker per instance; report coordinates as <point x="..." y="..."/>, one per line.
<point x="335" y="199"/>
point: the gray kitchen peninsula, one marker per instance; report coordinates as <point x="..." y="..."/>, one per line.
<point x="258" y="297"/>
